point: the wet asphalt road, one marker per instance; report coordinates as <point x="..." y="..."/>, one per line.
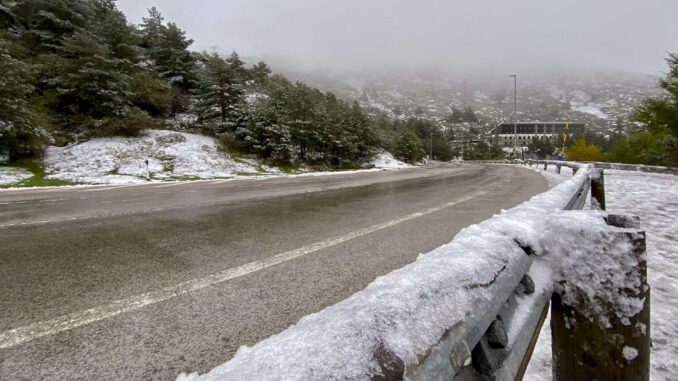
<point x="112" y="250"/>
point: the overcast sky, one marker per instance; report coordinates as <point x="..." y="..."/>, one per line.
<point x="468" y="35"/>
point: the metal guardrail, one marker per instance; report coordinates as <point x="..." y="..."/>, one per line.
<point x="596" y="164"/>
<point x="484" y="337"/>
<point x="492" y="355"/>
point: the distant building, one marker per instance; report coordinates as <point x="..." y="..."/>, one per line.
<point x="528" y="131"/>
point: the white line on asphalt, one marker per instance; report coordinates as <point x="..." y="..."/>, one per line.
<point x="31" y="201"/>
<point x="36" y="330"/>
<point x="169" y="185"/>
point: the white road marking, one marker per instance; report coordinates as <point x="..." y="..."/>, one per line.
<point x="121" y="186"/>
<point x="170" y="185"/>
<point x="36" y="330"/>
<point x="31" y="201"/>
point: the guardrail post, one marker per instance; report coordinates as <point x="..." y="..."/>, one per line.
<point x="546" y="165"/>
<point x="598" y="189"/>
<point x="583" y="349"/>
<point x="558" y="166"/>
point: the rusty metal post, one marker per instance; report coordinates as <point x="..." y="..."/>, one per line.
<point x="598" y="190"/>
<point x="583" y="349"/>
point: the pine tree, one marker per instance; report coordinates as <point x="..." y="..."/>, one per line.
<point x="112" y="28"/>
<point x="152" y="29"/>
<point x="172" y="58"/>
<point x="265" y="135"/>
<point x="237" y="66"/>
<point x="19" y="136"/>
<point x="362" y="133"/>
<point x="46" y="23"/>
<point x="408" y="146"/>
<point x="260" y="72"/>
<point x="166" y="46"/>
<point x="89" y="81"/>
<point x="219" y="97"/>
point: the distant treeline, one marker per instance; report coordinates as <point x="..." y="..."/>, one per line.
<point x="76" y="69"/>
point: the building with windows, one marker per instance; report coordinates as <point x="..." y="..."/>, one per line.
<point x="528" y="131"/>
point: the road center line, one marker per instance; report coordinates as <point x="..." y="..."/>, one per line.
<point x="36" y="330"/>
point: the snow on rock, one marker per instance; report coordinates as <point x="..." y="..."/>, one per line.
<point x="408" y="310"/>
<point x="387" y="161"/>
<point x="120" y="160"/>
<point x="654" y="198"/>
<point x="11" y="175"/>
<point x="629" y="353"/>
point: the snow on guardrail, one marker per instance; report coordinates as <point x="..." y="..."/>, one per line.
<point x="407" y="311"/>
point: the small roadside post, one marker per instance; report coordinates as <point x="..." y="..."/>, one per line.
<point x="148" y="173"/>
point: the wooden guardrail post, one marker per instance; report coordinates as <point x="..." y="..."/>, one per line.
<point x="558" y="166"/>
<point x="585" y="349"/>
<point x="598" y="189"/>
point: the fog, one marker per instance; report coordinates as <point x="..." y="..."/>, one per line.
<point x="474" y="37"/>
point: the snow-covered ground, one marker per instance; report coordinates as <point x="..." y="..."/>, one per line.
<point x="119" y="160"/>
<point x="171" y="156"/>
<point x="385" y="160"/>
<point x="653" y="197"/>
<point x="10" y="175"/>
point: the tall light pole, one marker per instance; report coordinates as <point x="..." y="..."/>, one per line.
<point x="462" y="144"/>
<point x="430" y="146"/>
<point x="515" y="115"/>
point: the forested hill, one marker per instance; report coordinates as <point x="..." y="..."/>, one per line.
<point x="76" y="69"/>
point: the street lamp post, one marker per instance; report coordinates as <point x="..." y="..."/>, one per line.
<point x="515" y="115"/>
<point x="430" y="146"/>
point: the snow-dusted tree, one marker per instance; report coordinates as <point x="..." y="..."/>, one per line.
<point x="19" y="136"/>
<point x="45" y="23"/>
<point x="166" y="47"/>
<point x="152" y="28"/>
<point x="264" y="134"/>
<point x="408" y="146"/>
<point x="89" y="80"/>
<point x="260" y="72"/>
<point x="172" y="58"/>
<point x="219" y="96"/>
<point x="113" y="30"/>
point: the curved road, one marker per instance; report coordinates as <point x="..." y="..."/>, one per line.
<point x="145" y="282"/>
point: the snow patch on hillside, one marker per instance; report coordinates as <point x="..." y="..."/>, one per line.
<point x="120" y="160"/>
<point x="171" y="156"/>
<point x="385" y="160"/>
<point x="11" y="175"/>
<point x="590" y="109"/>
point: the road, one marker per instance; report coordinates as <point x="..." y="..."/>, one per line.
<point x="146" y="282"/>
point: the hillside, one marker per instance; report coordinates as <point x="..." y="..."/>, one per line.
<point x="603" y="101"/>
<point x="171" y="156"/>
